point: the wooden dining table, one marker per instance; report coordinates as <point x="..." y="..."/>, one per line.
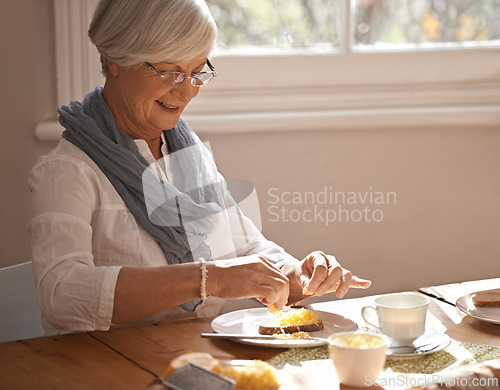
<point x="133" y="357"/>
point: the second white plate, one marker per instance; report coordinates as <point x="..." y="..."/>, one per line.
<point x="488" y="314"/>
<point x="246" y="322"/>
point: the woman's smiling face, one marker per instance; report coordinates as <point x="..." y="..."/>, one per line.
<point x="142" y="104"/>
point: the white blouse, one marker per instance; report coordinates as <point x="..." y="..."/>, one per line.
<point x="82" y="233"/>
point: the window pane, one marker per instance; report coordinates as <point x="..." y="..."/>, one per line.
<point x="399" y="22"/>
<point x="277" y="24"/>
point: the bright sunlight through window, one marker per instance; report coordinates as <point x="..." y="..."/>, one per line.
<point x="267" y="25"/>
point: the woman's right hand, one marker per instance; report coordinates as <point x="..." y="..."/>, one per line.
<point x="248" y="277"/>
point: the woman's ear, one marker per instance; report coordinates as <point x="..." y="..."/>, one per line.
<point x="113" y="68"/>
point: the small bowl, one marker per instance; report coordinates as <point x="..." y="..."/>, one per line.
<point x="358" y="357"/>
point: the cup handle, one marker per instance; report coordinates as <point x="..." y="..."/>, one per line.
<point x="363" y="314"/>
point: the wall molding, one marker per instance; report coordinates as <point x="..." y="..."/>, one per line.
<point x="393" y="118"/>
<point x="387" y="97"/>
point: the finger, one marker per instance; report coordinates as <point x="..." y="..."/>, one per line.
<point x="332" y="260"/>
<point x="267" y="296"/>
<point x="283" y="292"/>
<point x="273" y="282"/>
<point x="360" y="283"/>
<point x="308" y="265"/>
<point x="304" y="283"/>
<point x="334" y="280"/>
<point x="274" y="271"/>
<point x="270" y="284"/>
<point x="319" y="272"/>
<point x="261" y="271"/>
<point x="274" y="292"/>
<point x="280" y="303"/>
<point x="345" y="282"/>
<point x="355" y="283"/>
<point x="305" y="275"/>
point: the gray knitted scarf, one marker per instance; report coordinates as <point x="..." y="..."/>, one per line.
<point x="176" y="214"/>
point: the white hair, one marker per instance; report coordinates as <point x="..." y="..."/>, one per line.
<point x="130" y="32"/>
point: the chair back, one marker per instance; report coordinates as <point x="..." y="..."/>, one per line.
<point x="20" y="316"/>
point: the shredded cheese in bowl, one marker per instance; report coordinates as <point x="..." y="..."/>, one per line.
<point x="358" y="341"/>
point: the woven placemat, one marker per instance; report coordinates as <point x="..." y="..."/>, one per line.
<point x="457" y="354"/>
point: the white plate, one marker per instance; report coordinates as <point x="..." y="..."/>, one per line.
<point x="431" y="341"/>
<point x="488" y="314"/>
<point x="247" y="322"/>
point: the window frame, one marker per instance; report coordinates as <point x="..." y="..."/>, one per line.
<point x="450" y="85"/>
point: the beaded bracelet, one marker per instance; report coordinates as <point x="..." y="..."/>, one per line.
<point x="204" y="276"/>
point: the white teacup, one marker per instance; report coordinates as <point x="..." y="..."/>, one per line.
<point x="358" y="357"/>
<point x="401" y="316"/>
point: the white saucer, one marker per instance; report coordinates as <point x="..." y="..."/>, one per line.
<point x="431" y="341"/>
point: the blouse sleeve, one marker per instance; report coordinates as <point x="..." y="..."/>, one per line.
<point x="73" y="293"/>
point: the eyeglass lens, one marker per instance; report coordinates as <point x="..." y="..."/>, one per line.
<point x="196" y="80"/>
<point x="172" y="78"/>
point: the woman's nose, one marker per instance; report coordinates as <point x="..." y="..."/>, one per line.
<point x="184" y="91"/>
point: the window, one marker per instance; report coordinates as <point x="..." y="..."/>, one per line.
<point x="286" y="64"/>
<point x="259" y="26"/>
<point x="424" y="23"/>
<point x="325" y="64"/>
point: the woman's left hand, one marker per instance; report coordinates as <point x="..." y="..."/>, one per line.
<point x="318" y="274"/>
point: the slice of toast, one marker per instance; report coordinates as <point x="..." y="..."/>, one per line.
<point x="269" y="327"/>
<point x="486" y="299"/>
<point x="295" y="320"/>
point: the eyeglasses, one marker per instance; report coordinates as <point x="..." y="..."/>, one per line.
<point x="172" y="78"/>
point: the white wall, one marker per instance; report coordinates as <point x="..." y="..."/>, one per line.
<point x="444" y="227"/>
<point x="27" y="96"/>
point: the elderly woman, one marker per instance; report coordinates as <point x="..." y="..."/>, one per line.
<point x="130" y="220"/>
